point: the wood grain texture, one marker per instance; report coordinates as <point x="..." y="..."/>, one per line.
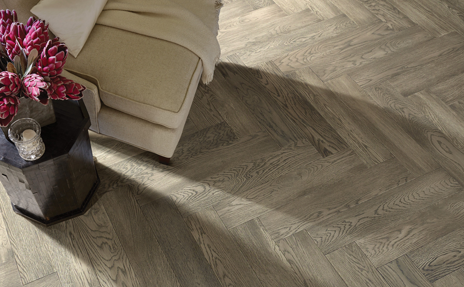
<point x="307" y="259"/>
<point x="32" y="262"/>
<point x="355" y="268"/>
<point x="51" y="280"/>
<point x="6" y="253"/>
<point x="291" y="98"/>
<point x="324" y="9"/>
<point x="71" y="259"/>
<point x="264" y="198"/>
<point x="384" y="210"/>
<point x="235" y="181"/>
<point x="388" y="14"/>
<point x="326" y="103"/>
<point x="222" y="253"/>
<point x="183" y="254"/>
<point x="429" y="224"/>
<point x="356" y="11"/>
<point x="370" y="118"/>
<point x="454" y="279"/>
<point x="9" y="274"/>
<point x="106" y="253"/>
<point x="335" y="197"/>
<point x="274" y="47"/>
<point x="351" y="40"/>
<point x="402" y="61"/>
<point x="403" y="272"/>
<point x="449" y="91"/>
<point x="264" y="256"/>
<point x="445" y="66"/>
<point x="138" y="240"/>
<point x="442" y="256"/>
<point x="333" y="64"/>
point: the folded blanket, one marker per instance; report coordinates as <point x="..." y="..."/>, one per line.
<point x="194" y="27"/>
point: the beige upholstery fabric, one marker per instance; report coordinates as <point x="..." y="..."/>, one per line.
<point x="138" y="75"/>
<point x="138" y="132"/>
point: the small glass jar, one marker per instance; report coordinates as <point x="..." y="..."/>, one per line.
<point x="25" y="134"/>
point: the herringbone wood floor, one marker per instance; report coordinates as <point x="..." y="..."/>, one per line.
<point x="328" y="151"/>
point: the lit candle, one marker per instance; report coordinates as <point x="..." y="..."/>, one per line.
<point x="28" y="134"/>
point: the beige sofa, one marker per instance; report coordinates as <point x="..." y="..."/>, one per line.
<point x="140" y="89"/>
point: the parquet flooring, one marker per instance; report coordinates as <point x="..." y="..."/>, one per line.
<point x="328" y="151"/>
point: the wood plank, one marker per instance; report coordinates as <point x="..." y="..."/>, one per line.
<point x="71" y="259"/>
<point x="324" y="9"/>
<point x="264" y="256"/>
<point x="51" y="280"/>
<point x="414" y="231"/>
<point x="356" y="11"/>
<point x="297" y="183"/>
<point x="388" y="13"/>
<point x="104" y="248"/>
<point x="137" y="238"/>
<point x="403" y="272"/>
<point x="418" y="78"/>
<point x="307" y="259"/>
<point x="32" y="262"/>
<point x="443" y="117"/>
<point x="355" y="268"/>
<point x="182" y="252"/>
<point x="442" y="15"/>
<point x="223" y="253"/>
<point x="289" y="95"/>
<point x="9" y="274"/>
<point x="410" y="114"/>
<point x="363" y="220"/>
<point x="243" y="24"/>
<point x="109" y="151"/>
<point x="264" y="50"/>
<point x="442" y="256"/>
<point x="449" y="91"/>
<point x="422" y="16"/>
<point x="300" y="58"/>
<point x="291" y="6"/>
<point x="6" y="252"/>
<point x="266" y="112"/>
<point x="335" y="63"/>
<point x="234" y="8"/>
<point x="223" y="185"/>
<point x="337" y="115"/>
<point x="258" y="35"/>
<point x="202" y="112"/>
<point x="257" y="4"/>
<point x="402" y="61"/>
<point x="332" y="200"/>
<point x="227" y="102"/>
<point x="455" y="279"/>
<point x="373" y="119"/>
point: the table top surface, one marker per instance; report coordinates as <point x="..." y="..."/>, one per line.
<point x="71" y="119"/>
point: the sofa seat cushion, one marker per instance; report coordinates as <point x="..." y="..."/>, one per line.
<point x="142" y="76"/>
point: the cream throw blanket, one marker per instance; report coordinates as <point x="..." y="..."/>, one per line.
<point x="191" y="24"/>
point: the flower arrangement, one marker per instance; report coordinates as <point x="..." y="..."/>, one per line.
<point x="30" y="65"/>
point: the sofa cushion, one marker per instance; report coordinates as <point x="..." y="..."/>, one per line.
<point x="141" y="76"/>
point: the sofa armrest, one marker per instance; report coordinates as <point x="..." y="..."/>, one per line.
<point x="91" y="99"/>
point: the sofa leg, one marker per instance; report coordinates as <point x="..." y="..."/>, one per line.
<point x="164" y="160"/>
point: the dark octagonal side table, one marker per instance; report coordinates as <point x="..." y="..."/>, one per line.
<point x="60" y="184"/>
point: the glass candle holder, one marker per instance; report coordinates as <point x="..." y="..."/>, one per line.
<point x="25" y="134"/>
